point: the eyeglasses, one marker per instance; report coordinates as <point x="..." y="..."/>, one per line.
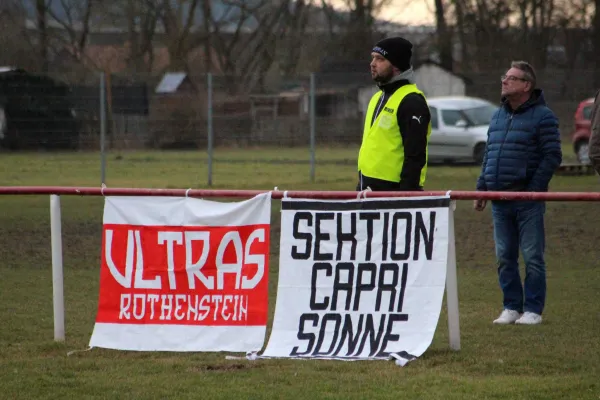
<point x="512" y="78"/>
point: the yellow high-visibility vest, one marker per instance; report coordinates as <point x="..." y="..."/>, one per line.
<point x="381" y="154"/>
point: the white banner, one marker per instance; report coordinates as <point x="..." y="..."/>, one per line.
<point x="360" y="279"/>
<point x="183" y="274"/>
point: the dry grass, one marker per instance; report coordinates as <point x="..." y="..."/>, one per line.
<point x="556" y="360"/>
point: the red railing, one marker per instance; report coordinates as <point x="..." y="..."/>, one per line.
<point x="278" y="194"/>
<point x="451" y="280"/>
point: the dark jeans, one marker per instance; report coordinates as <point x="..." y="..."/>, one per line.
<point x="520" y="224"/>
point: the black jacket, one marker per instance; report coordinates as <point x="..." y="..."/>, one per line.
<point x="413" y="119"/>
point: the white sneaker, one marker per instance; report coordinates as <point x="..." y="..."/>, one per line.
<point x="507" y="317"/>
<point x="529" y="318"/>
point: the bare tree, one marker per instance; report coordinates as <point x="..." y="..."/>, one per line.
<point x="41" y="15"/>
<point x="16" y="47"/>
<point x="444" y="37"/>
<point x="461" y="30"/>
<point x="244" y="40"/>
<point x="206" y="15"/>
<point x="178" y="19"/>
<point x="536" y="23"/>
<point x="487" y="26"/>
<point x="48" y="31"/>
<point x="75" y="23"/>
<point x="142" y="18"/>
<point x="596" y="43"/>
<point x="572" y="21"/>
<point x="356" y="26"/>
<point x="491" y="31"/>
<point x="331" y="16"/>
<point x="295" y="20"/>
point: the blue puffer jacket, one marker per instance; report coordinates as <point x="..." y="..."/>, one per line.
<point x="523" y="148"/>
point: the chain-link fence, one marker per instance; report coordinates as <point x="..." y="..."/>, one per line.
<point x="178" y="111"/>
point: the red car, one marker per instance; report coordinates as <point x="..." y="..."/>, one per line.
<point x="581" y="136"/>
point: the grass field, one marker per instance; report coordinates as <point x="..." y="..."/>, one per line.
<point x="557" y="360"/>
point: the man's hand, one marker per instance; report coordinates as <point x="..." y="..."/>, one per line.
<point x="479" y="205"/>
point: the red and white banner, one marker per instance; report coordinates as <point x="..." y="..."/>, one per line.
<point x="183" y="274"/>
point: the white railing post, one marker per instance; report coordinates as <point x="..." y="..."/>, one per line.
<point x="57" y="269"/>
<point x="452" y="284"/>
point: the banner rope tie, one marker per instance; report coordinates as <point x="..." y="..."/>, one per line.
<point x="78" y="351"/>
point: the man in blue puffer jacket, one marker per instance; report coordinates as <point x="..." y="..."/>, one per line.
<point x="522" y="153"/>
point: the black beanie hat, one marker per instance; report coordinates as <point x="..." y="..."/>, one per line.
<point x="396" y="50"/>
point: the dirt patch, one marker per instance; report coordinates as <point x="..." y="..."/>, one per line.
<point x="225" y="367"/>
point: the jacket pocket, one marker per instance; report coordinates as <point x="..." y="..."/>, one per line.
<point x="516" y="180"/>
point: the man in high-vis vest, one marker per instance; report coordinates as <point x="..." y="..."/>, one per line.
<point x="393" y="154"/>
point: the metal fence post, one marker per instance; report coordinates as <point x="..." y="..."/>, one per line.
<point x="312" y="127"/>
<point x="209" y="126"/>
<point x="102" y="128"/>
<point x="452" y="284"/>
<point x="58" y="300"/>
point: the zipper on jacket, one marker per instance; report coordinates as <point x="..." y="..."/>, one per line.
<point x="502" y="145"/>
<point x="382" y="100"/>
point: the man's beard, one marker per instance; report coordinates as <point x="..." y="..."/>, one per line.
<point x="384" y="77"/>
